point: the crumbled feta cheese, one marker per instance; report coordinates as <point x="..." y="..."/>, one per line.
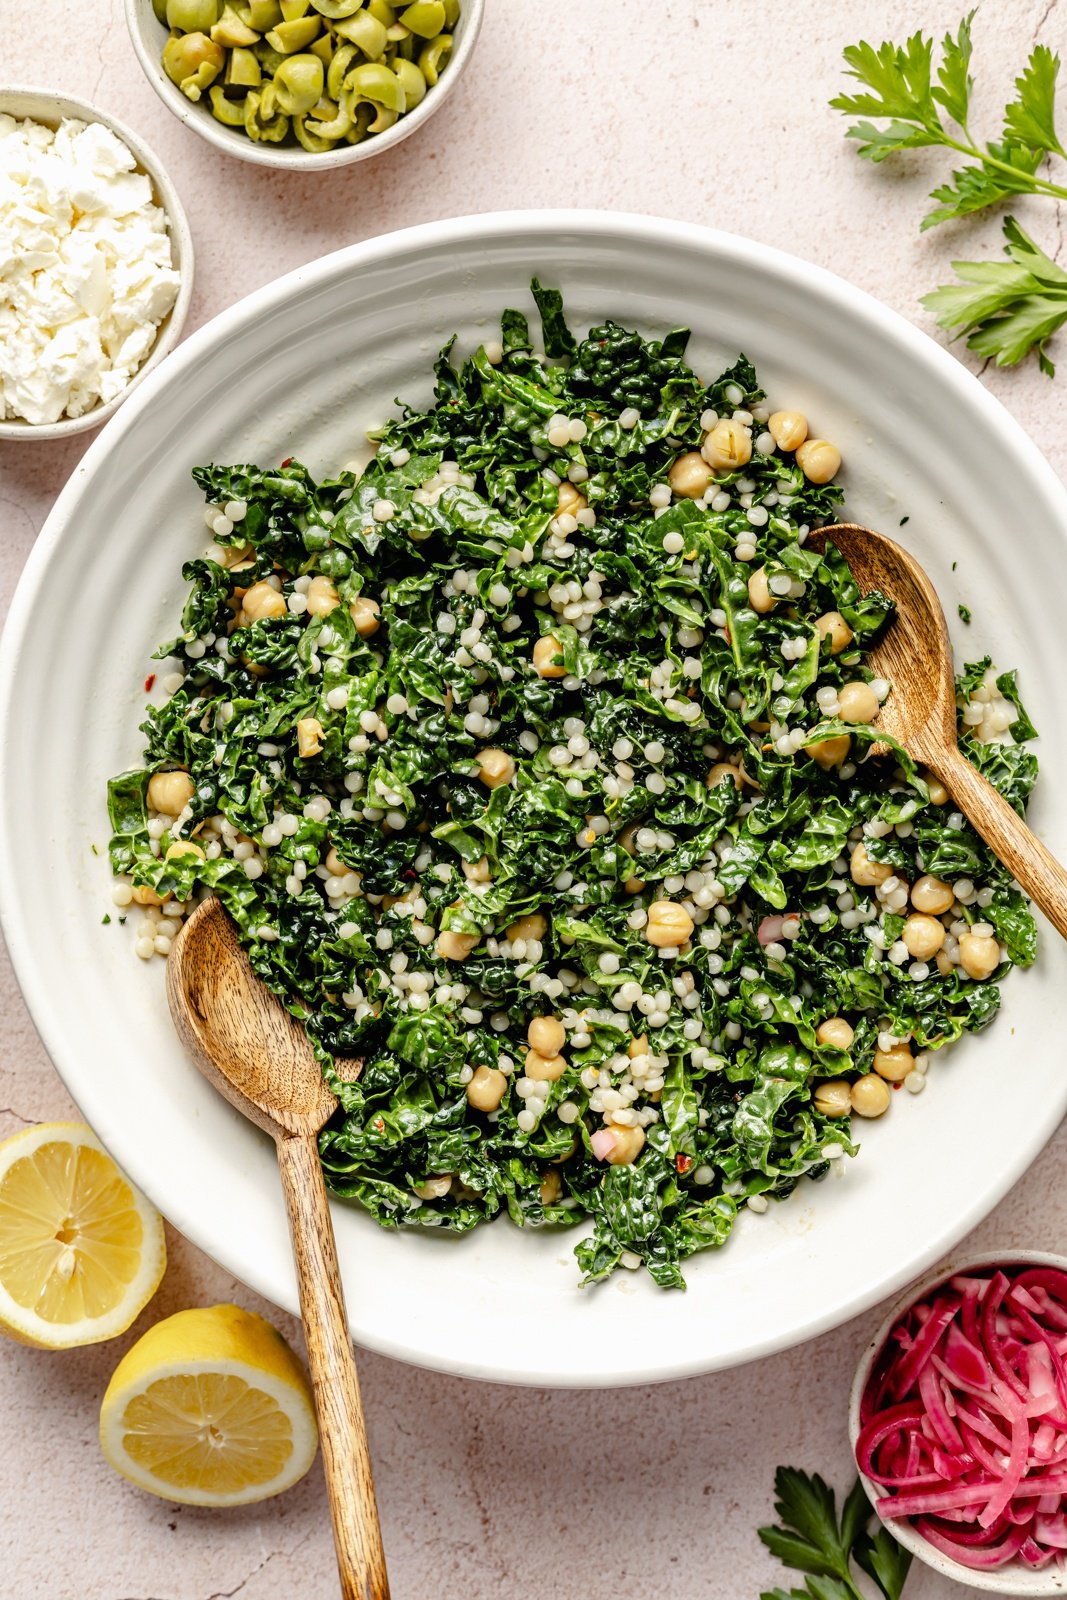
<point x="86" y="271"/>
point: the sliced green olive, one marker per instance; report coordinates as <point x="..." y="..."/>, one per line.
<point x="424" y="17"/>
<point x="411" y="81"/>
<point x="298" y="84"/>
<point x="434" y="57"/>
<point x="262" y="14"/>
<point x="334" y="9"/>
<point x="226" y="110"/>
<point x="270" y="129"/>
<point x="365" y="32"/>
<point x="231" y="32"/>
<point x="192" y="16"/>
<point x="289" y="37"/>
<point x="242" y="73"/>
<point x="193" y="59"/>
<point x="293" y="10"/>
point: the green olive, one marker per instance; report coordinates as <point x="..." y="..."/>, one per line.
<point x="345" y="56"/>
<point x="231" y="112"/>
<point x="424" y="17"/>
<point x="433" y="57"/>
<point x="259" y="124"/>
<point x="382" y="11"/>
<point x="335" y="9"/>
<point x="451" y="13"/>
<point x="365" y="32"/>
<point x="306" y="131"/>
<point x="192" y="16"/>
<point x="293" y="10"/>
<point x="298" y="84"/>
<point x="185" y="54"/>
<point x="290" y="37"/>
<point x="160" y="9"/>
<point x="411" y="81"/>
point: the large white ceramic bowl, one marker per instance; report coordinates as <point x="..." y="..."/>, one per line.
<point x="302" y="368"/>
<point x="41" y="105"/>
<point x="148" y="36"/>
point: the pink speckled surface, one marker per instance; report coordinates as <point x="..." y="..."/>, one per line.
<point x="713" y="111"/>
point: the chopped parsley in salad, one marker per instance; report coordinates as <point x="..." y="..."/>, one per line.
<point x="534" y="766"/>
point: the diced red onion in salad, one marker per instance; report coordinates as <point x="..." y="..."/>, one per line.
<point x="963" y="1421"/>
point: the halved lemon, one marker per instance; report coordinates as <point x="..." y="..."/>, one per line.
<point x="210" y="1407"/>
<point x="81" y="1250"/>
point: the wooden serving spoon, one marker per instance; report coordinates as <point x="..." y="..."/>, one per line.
<point x="915" y="655"/>
<point x="257" y="1055"/>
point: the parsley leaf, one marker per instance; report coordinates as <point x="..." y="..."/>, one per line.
<point x="812" y="1540"/>
<point x="1007" y="309"/>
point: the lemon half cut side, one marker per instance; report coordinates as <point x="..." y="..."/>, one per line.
<point x="81" y="1250"/>
<point x="210" y="1407"/>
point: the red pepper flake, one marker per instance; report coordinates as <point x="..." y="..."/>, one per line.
<point x="287" y="462"/>
<point x="683" y="1162"/>
<point x="149" y="681"/>
<point x="379" y="1124"/>
<point x="409" y="872"/>
<point x="726" y="631"/>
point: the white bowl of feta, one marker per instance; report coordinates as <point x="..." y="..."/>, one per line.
<point x="96" y="264"/>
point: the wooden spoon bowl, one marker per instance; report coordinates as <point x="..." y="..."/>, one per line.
<point x="915" y="656"/>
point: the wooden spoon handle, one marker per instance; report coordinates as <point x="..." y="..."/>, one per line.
<point x="342" y="1429"/>
<point x="1006" y="834"/>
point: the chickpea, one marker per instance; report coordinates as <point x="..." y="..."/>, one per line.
<point x="690" y="475"/>
<point x="668" y="924"/>
<point x="495" y="767"/>
<point x="309" y="736"/>
<point x="894" y="1065"/>
<point x="322" y="597"/>
<point x="452" y="946"/>
<point x="937" y="791"/>
<point x="923" y="936"/>
<point x="628" y="838"/>
<point x="486" y="1088"/>
<point x="570" y="500"/>
<point x="546" y="1035"/>
<point x="144" y="896"/>
<point x="629" y="1142"/>
<point x="932" y="895"/>
<point x="366" y="614"/>
<point x="979" y="955"/>
<point x="760" y="597"/>
<point x="870" y="1096"/>
<point x="637" y="1047"/>
<point x="945" y="964"/>
<point x="546" y="657"/>
<point x="187" y="848"/>
<point x="832" y="626"/>
<point x="727" y="446"/>
<point x="721" y="770"/>
<point x="550" y="1188"/>
<point x="788" y="429"/>
<point x="866" y="872"/>
<point x="831" y="752"/>
<point x="544" y="1069"/>
<point x="534" y="926"/>
<point x="434" y="1188"/>
<point x="170" y="792"/>
<point x="835" y="1032"/>
<point x="477" y="871"/>
<point x="263" y="600"/>
<point x="633" y="885"/>
<point x="334" y="865"/>
<point x="818" y="460"/>
<point x="857" y="702"/>
<point x="832" y="1098"/>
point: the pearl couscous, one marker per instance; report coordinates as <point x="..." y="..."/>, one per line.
<point x="534" y="763"/>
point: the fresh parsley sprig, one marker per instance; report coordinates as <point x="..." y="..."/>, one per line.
<point x="810" y="1539"/>
<point x="1005" y="308"/>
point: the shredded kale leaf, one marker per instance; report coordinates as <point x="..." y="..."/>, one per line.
<point x="457" y="728"/>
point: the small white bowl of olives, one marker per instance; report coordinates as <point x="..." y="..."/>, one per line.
<point x="304" y="84"/>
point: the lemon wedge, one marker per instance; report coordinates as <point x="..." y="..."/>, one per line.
<point x="81" y="1250"/>
<point x="210" y="1407"/>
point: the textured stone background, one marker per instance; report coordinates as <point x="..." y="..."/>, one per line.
<point x="713" y="111"/>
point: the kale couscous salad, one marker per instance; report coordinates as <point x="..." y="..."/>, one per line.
<point x="534" y="764"/>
